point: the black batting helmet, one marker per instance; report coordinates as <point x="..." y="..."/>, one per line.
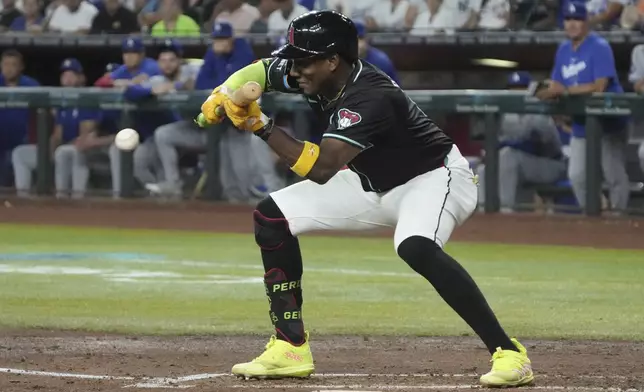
<point x="320" y="33"/>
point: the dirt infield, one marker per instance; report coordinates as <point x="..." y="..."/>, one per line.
<point x="73" y="361"/>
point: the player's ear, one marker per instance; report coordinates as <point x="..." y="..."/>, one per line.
<point x="334" y="61"/>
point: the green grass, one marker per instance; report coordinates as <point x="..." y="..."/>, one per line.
<point x="210" y="283"/>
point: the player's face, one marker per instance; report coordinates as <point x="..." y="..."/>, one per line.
<point x="312" y="74"/>
<point x="69" y="79"/>
<point x="222" y="45"/>
<point x="11" y="67"/>
<point x="575" y="28"/>
<point x="168" y="63"/>
<point x="132" y="59"/>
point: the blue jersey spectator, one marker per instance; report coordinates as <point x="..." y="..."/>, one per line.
<point x="309" y="4"/>
<point x="31" y="20"/>
<point x="584" y="64"/>
<point x="226" y="56"/>
<point x="15" y="122"/>
<point x="136" y="66"/>
<point x="373" y="55"/>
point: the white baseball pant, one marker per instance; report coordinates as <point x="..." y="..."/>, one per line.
<point x="431" y="205"/>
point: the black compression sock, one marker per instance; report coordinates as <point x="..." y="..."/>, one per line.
<point x="283" y="271"/>
<point x="457" y="288"/>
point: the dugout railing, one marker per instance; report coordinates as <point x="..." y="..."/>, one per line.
<point x="486" y="104"/>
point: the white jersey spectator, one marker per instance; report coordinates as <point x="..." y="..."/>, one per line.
<point x="451" y="15"/>
<point x="287" y="10"/>
<point x="239" y="14"/>
<point x="73" y="16"/>
<point x="342" y="6"/>
<point x="360" y="8"/>
<point x="387" y="15"/>
<point x="494" y="15"/>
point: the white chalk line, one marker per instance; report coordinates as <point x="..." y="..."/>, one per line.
<point x="205" y="376"/>
<point x="382" y="387"/>
<point x="62" y="375"/>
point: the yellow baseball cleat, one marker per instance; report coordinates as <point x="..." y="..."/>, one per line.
<point x="509" y="368"/>
<point x="280" y="360"/>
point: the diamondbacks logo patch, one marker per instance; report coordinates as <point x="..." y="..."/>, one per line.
<point x="347" y="118"/>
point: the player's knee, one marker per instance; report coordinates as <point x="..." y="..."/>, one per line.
<point x="63" y="152"/>
<point x="419" y="253"/>
<point x="163" y="134"/>
<point x="271" y="227"/>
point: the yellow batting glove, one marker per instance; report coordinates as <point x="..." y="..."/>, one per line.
<point x="246" y="118"/>
<point x="209" y="113"/>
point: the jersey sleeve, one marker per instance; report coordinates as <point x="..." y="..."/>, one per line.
<point x="604" y="62"/>
<point x="360" y="120"/>
<point x="277" y="76"/>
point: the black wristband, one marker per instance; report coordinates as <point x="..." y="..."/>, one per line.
<point x="265" y="132"/>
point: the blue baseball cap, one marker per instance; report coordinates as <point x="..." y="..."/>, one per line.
<point x="222" y="30"/>
<point x="171" y="45"/>
<point x="132" y="44"/>
<point x="519" y="79"/>
<point x="71" y="64"/>
<point x="575" y="10"/>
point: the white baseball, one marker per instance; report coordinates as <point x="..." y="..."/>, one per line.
<point x="127" y="139"/>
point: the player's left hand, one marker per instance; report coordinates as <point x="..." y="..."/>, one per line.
<point x="210" y="110"/>
<point x="247" y="118"/>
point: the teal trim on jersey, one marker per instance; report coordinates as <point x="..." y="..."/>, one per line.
<point x="344" y="139"/>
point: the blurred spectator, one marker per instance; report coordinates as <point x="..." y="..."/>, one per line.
<point x="173" y="22"/>
<point x="72" y="16"/>
<point x="14" y="122"/>
<point x="136" y="67"/>
<point x="495" y="15"/>
<point x="226" y="55"/>
<point x="148" y="14"/>
<point x="236" y="12"/>
<point x="265" y="8"/>
<point x="534" y="14"/>
<point x="114" y="18"/>
<point x="585" y="64"/>
<point x="373" y="55"/>
<point x="309" y="4"/>
<point x="174" y="76"/>
<point x="74" y="135"/>
<point x="636" y="74"/>
<point x="603" y="13"/>
<point x="8" y="14"/>
<point x="341" y="6"/>
<point x="286" y="11"/>
<point x="388" y="15"/>
<point x="32" y="20"/>
<point x="530" y="151"/>
<point x="360" y="8"/>
<point x="447" y="16"/>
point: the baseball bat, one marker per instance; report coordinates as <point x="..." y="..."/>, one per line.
<point x="243" y="96"/>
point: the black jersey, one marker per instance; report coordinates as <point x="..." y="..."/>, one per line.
<point x="398" y="141"/>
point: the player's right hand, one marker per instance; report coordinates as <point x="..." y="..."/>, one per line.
<point x="246" y="118"/>
<point x="212" y="110"/>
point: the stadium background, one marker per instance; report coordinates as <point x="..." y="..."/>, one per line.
<point x="98" y="294"/>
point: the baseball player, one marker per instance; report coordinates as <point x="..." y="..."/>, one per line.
<point x="530" y="151"/>
<point x="584" y="64"/>
<point x="404" y="172"/>
<point x="72" y="138"/>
